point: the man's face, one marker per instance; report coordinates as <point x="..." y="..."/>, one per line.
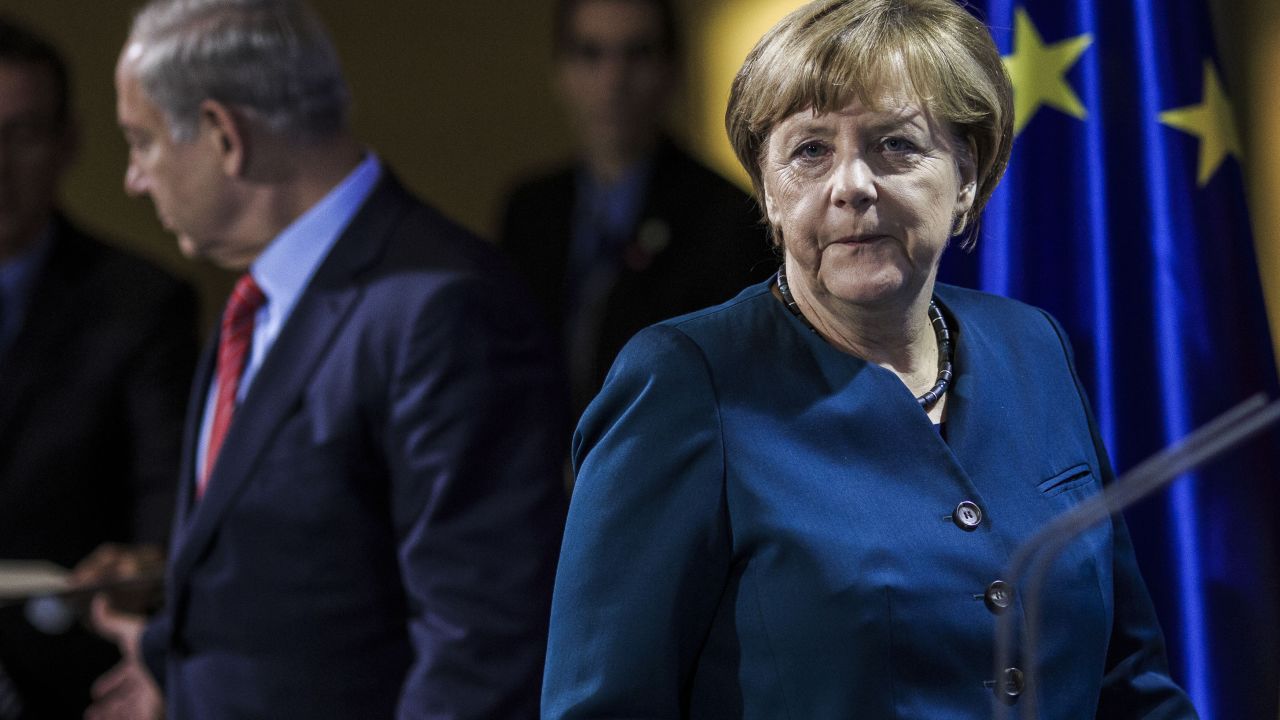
<point x="614" y="72"/>
<point x="35" y="151"/>
<point x="185" y="180"/>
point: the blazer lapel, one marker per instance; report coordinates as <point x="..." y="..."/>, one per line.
<point x="843" y="373"/>
<point x="277" y="388"/>
<point x="191" y="434"/>
<point x="980" y="398"/>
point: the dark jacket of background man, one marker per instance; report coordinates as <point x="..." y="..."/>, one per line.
<point x="635" y="230"/>
<point x="96" y="353"/>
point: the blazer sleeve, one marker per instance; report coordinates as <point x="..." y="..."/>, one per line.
<point x="475" y="450"/>
<point x="153" y="646"/>
<point x="1137" y="683"/>
<point x="647" y="548"/>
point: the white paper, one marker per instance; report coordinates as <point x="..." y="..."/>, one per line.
<point x="20" y="579"/>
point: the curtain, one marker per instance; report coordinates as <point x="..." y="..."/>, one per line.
<point x="1123" y="214"/>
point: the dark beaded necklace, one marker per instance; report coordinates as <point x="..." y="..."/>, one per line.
<point x="936" y="319"/>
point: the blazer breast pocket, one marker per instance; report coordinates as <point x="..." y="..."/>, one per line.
<point x="1076" y="476"/>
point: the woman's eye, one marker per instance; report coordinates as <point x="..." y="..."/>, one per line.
<point x="897" y="144"/>
<point x="810" y="151"/>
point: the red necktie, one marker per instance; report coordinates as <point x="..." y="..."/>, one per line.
<point x="233" y="352"/>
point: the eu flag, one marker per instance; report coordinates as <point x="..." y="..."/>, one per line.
<point x="1123" y="213"/>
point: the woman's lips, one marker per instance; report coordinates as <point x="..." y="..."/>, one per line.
<point x="861" y="239"/>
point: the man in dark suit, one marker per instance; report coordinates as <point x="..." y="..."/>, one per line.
<point x="370" y="505"/>
<point x="96" y="353"/>
<point x="634" y="230"/>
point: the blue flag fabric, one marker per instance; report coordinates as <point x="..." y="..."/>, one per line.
<point x="1123" y="214"/>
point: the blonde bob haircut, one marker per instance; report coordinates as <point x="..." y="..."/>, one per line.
<point x="830" y="52"/>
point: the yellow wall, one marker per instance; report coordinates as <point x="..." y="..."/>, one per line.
<point x="456" y="96"/>
<point x="1262" y="140"/>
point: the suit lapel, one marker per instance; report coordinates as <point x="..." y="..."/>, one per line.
<point x="653" y="233"/>
<point x="191" y="434"/>
<point x="277" y="389"/>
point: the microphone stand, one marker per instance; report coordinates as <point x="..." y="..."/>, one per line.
<point x="1030" y="564"/>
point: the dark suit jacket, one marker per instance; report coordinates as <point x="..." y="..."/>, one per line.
<point x="761" y="529"/>
<point x="91" y="403"/>
<point x="713" y="244"/>
<point x="380" y="532"/>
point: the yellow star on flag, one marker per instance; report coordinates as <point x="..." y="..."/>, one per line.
<point x="1038" y="72"/>
<point x="1212" y="121"/>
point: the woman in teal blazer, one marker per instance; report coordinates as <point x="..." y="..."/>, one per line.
<point x="799" y="504"/>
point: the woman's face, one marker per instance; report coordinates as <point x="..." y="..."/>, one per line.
<point x="865" y="200"/>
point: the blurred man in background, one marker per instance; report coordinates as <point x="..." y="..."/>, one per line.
<point x="634" y="230"/>
<point x="370" y="505"/>
<point x="96" y="355"/>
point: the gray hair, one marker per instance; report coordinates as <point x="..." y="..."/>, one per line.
<point x="271" y="59"/>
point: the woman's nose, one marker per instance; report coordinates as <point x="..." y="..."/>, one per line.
<point x="855" y="184"/>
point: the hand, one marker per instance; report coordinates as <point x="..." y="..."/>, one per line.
<point x="127" y="691"/>
<point x="122" y="628"/>
<point x="139" y="567"/>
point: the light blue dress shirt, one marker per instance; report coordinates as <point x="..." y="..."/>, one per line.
<point x="285" y="268"/>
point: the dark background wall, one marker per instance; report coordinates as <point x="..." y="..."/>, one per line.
<point x="456" y="96"/>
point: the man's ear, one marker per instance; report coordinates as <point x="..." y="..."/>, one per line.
<point x="226" y="132"/>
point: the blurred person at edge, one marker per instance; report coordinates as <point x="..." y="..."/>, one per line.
<point x="799" y="503"/>
<point x="633" y="230"/>
<point x="370" y="502"/>
<point x="97" y="348"/>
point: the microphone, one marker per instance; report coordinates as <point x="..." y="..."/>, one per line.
<point x="1030" y="564"/>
